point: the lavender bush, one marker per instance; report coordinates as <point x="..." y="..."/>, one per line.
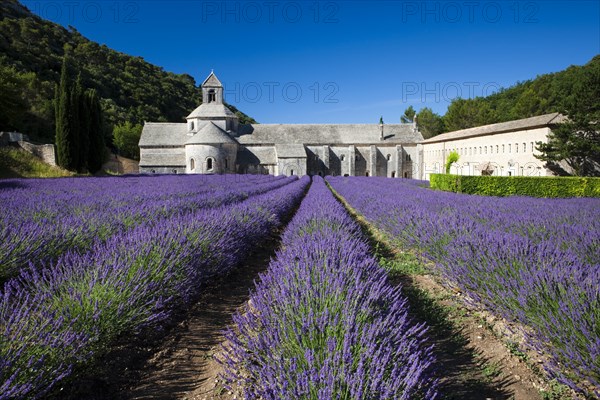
<point x="323" y="322"/>
<point x="534" y="261"/>
<point x="56" y="318"/>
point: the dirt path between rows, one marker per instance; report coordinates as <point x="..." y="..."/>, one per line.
<point x="184" y="366"/>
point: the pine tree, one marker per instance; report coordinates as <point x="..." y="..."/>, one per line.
<point x="96" y="137"/>
<point x="63" y="123"/>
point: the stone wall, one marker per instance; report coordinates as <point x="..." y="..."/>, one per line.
<point x="44" y="151"/>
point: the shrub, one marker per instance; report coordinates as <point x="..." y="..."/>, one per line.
<point x="518" y="185"/>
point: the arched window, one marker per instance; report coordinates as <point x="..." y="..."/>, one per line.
<point x="389" y="157"/>
<point x="192" y="164"/>
<point x="393" y="174"/>
<point x="342" y="157"/>
<point x="291" y="172"/>
<point x="174" y="171"/>
<point x="212" y="96"/>
<point x="209" y="164"/>
<point x="367" y="173"/>
<point x="406" y="174"/>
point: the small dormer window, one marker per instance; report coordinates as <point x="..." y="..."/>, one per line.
<point x="212" y="96"/>
<point x="192" y="125"/>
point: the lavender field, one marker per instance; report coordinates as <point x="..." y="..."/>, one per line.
<point x="141" y="254"/>
<point x="532" y="261"/>
<point x="86" y="261"/>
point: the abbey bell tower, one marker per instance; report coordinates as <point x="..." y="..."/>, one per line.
<point x="212" y="108"/>
<point x="212" y="90"/>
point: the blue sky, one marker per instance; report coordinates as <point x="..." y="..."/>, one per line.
<point x="343" y="61"/>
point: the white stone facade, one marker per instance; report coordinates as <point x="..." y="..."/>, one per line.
<point x="504" y="149"/>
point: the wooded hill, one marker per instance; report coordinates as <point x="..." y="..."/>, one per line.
<point x="130" y="89"/>
<point x="547" y="93"/>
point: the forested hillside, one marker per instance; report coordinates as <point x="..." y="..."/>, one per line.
<point x="130" y="89"/>
<point x="544" y="94"/>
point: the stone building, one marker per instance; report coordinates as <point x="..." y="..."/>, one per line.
<point x="213" y="142"/>
<point x="506" y="149"/>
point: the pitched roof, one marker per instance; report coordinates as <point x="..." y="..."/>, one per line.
<point x="502" y="127"/>
<point x="210" y="134"/>
<point x="163" y="160"/>
<point x="212" y="81"/>
<point x="327" y="134"/>
<point x="164" y="134"/>
<point x="211" y="110"/>
<point x="255" y="155"/>
<point x="290" y="150"/>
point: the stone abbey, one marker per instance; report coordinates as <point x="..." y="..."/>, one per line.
<point x="214" y="142"/>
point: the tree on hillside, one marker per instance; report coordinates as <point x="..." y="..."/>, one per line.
<point x="467" y="113"/>
<point x="529" y="104"/>
<point x="576" y="142"/>
<point x="430" y="124"/>
<point x="96" y="148"/>
<point x="12" y="104"/>
<point x="127" y="138"/>
<point x="408" y="116"/>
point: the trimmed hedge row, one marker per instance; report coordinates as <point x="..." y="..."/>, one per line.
<point x="554" y="186"/>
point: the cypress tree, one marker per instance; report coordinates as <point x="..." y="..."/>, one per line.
<point x="84" y="125"/>
<point x="96" y="136"/>
<point x="63" y="125"/>
<point x="74" y="120"/>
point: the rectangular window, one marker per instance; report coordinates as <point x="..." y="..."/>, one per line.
<point x="502" y="149"/>
<point x="516" y="147"/>
<point x="509" y="148"/>
<point x="524" y="147"/>
<point x="497" y="148"/>
<point x="532" y="147"/>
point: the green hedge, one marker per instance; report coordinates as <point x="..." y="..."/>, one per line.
<point x="554" y="186"/>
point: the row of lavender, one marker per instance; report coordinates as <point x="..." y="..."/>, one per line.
<point x="323" y="322"/>
<point x="41" y="219"/>
<point x="56" y="319"/>
<point x="535" y="261"/>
